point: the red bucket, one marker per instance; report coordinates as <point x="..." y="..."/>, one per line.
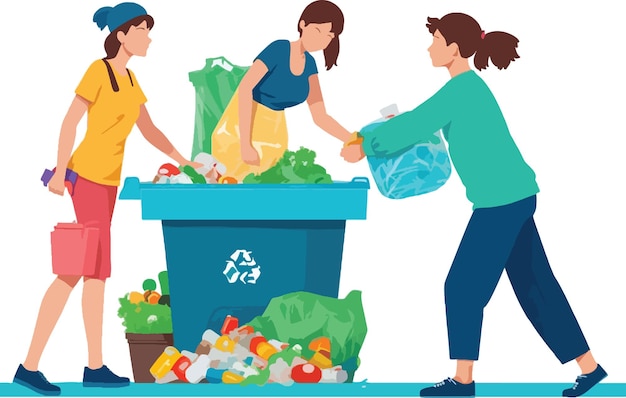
<point x="74" y="249"/>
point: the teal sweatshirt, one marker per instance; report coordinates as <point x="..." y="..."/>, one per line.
<point x="481" y="148"/>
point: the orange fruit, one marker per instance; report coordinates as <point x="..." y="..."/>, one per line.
<point x="135" y="297"/>
<point x="153" y="298"/>
<point x="227" y="180"/>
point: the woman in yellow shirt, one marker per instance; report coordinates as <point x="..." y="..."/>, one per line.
<point x="114" y="102"/>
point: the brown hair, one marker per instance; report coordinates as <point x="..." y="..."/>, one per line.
<point x="112" y="45"/>
<point x="466" y="33"/>
<point x="324" y="11"/>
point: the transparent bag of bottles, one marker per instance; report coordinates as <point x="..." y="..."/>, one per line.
<point x="421" y="169"/>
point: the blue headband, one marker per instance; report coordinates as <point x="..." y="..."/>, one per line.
<point x="114" y="17"/>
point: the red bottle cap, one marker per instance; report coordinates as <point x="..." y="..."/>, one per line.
<point x="230" y="323"/>
<point x="254" y="343"/>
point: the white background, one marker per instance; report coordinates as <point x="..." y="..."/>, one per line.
<point x="562" y="100"/>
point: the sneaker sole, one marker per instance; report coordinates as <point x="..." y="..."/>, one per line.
<point x="37" y="390"/>
<point x="590" y="388"/>
<point x="105" y="385"/>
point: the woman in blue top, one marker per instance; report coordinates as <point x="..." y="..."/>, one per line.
<point x="252" y="134"/>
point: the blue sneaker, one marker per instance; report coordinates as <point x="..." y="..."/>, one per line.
<point x="585" y="382"/>
<point x="103" y="377"/>
<point x="449" y="388"/>
<point x="36" y="381"/>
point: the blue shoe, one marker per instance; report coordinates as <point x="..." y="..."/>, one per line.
<point x="36" y="381"/>
<point x="103" y="377"/>
<point x="449" y="388"/>
<point x="585" y="382"/>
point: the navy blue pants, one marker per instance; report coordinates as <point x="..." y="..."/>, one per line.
<point x="496" y="239"/>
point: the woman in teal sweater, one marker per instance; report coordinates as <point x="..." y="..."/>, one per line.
<point x="501" y="233"/>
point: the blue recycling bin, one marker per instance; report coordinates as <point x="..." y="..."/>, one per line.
<point x="230" y="249"/>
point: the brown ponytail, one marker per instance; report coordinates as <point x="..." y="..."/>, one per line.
<point x="463" y="30"/>
<point x="500" y="47"/>
<point x="331" y="53"/>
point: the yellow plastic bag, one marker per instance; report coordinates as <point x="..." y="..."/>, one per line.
<point x="269" y="138"/>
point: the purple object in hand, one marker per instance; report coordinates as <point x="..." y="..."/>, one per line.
<point x="70" y="178"/>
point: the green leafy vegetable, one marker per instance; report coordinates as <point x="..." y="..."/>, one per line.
<point x="145" y="318"/>
<point x="297" y="167"/>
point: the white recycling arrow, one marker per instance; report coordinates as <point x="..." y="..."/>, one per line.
<point x="230" y="266"/>
<point x="254" y="275"/>
<point x="248" y="263"/>
<point x="247" y="256"/>
<point x="236" y="255"/>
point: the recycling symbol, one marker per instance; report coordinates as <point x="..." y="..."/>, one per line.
<point x="241" y="267"/>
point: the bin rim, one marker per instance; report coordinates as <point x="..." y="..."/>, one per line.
<point x="131" y="190"/>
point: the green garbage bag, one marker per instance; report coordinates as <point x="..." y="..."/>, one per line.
<point x="300" y="317"/>
<point x="215" y="85"/>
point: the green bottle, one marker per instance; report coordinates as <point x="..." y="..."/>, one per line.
<point x="164" y="282"/>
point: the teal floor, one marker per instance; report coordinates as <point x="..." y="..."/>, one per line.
<point x="318" y="390"/>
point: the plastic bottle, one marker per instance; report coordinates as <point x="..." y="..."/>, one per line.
<point x="279" y="345"/>
<point x="241" y="333"/>
<point x="180" y="367"/>
<point x="197" y="371"/>
<point x="230" y="323"/>
<point x="165" y="362"/>
<point x="191" y="355"/>
<point x="321" y="348"/>
<point x="168" y="170"/>
<point x="225" y="343"/>
<point x="209" y="338"/>
<point x="168" y="378"/>
<point x="229" y="377"/>
<point x="214" y="375"/>
<point x="181" y="178"/>
<point x="307" y="373"/>
<point x="321" y="359"/>
<point x="260" y="347"/>
<point x="334" y="375"/>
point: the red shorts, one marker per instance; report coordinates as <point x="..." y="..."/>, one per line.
<point x="93" y="204"/>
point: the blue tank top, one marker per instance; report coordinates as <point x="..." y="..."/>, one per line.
<point x="280" y="88"/>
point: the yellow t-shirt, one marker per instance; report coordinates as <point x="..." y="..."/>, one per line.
<point x="110" y="119"/>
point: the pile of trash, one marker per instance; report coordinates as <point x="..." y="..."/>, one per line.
<point x="211" y="172"/>
<point x="241" y="355"/>
<point x="295" y="167"/>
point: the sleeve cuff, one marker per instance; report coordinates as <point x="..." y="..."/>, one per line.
<point x="85" y="95"/>
<point x="368" y="150"/>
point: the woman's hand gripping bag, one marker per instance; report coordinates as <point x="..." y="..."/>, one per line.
<point x="421" y="169"/>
